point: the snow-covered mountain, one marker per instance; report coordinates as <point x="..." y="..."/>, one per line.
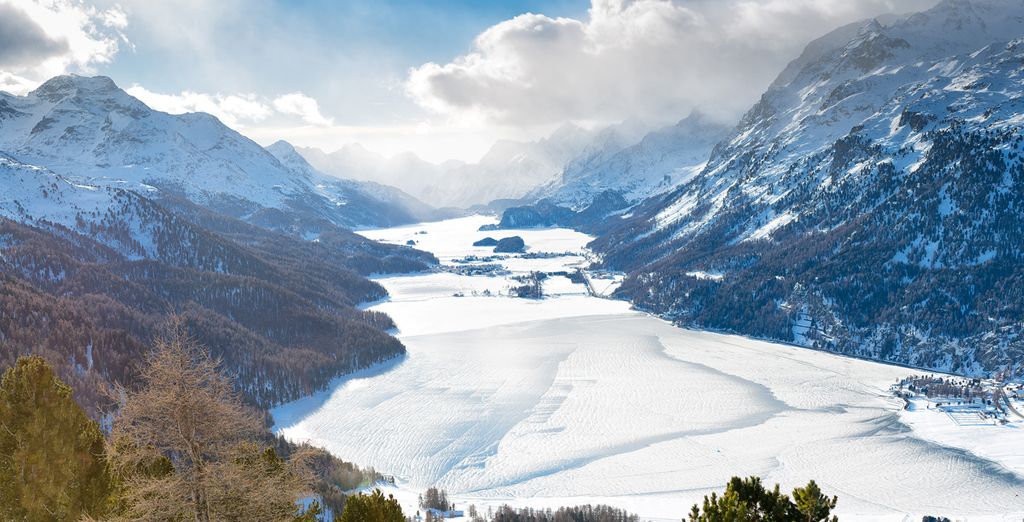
<point x="90" y="130"/>
<point x="634" y="165"/>
<point x="114" y="216"/>
<point x="352" y="161"/>
<point x="509" y="169"/>
<point x="619" y="168"/>
<point x="365" y="202"/>
<point x="869" y="203"/>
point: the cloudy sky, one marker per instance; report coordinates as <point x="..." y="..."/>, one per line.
<point x="441" y="78"/>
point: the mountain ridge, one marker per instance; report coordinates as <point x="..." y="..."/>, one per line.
<point x="115" y="219"/>
<point x="865" y="205"/>
<point x="89" y="128"/>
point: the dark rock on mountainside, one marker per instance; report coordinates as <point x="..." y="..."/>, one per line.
<point x="542" y="214"/>
<point x="547" y="214"/>
<point x="509" y="245"/>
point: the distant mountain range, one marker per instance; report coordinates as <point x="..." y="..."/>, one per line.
<point x="570" y="167"/>
<point x="509" y="170"/>
<point x="616" y="172"/>
<point x="90" y="129"/>
<point x="870" y="203"/>
<point x="635" y="167"/>
<point x="113" y="217"/>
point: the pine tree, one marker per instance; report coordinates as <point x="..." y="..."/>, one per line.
<point x="725" y="508"/>
<point x="372" y="508"/>
<point x="312" y="513"/>
<point x="52" y="465"/>
<point x="767" y="504"/>
<point x="813" y="505"/>
<point x="747" y="500"/>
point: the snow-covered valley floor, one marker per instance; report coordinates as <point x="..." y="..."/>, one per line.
<point x="575" y="399"/>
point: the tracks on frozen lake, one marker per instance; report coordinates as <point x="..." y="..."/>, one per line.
<point x="576" y="399"/>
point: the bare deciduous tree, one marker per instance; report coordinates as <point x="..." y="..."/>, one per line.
<point x="184" y="445"/>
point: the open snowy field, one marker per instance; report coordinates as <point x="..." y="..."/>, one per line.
<point x="575" y="399"/>
<point x="988" y="438"/>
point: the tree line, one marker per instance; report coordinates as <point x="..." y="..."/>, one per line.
<point x="282" y="320"/>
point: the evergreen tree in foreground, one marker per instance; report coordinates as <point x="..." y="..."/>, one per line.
<point x="747" y="500"/>
<point x="813" y="505"/>
<point x="52" y="465"/>
<point x="372" y="508"/>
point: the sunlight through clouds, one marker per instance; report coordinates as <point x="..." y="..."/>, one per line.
<point x="235" y="110"/>
<point x="653" y="59"/>
<point x="299" y="104"/>
<point x="58" y="36"/>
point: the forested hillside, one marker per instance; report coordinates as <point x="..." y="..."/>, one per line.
<point x="93" y="266"/>
<point x="279" y="311"/>
<point x="868" y="204"/>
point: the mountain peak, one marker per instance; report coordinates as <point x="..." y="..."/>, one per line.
<point x="290" y="158"/>
<point x="281" y="146"/>
<point x="870" y="27"/>
<point x="60" y="87"/>
<point x="966" y="23"/>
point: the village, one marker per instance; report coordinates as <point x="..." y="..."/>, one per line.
<point x="965" y="401"/>
<point x="533" y="283"/>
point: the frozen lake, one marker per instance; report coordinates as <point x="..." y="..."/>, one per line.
<point x="576" y="399"/>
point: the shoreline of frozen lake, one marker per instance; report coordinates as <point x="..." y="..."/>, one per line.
<point x="574" y="399"/>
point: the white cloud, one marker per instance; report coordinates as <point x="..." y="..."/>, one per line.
<point x="82" y="37"/>
<point x="13" y="83"/>
<point x="235" y="110"/>
<point x="296" y="118"/>
<point x="115" y="18"/>
<point x="298" y="104"/>
<point x="655" y="59"/>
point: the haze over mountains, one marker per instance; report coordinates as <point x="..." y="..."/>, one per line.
<point x="570" y="166"/>
<point x="509" y="170"/>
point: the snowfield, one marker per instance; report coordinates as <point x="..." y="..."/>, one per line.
<point x="575" y="399"/>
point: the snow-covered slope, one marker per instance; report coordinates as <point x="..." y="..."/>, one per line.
<point x="90" y="129"/>
<point x="113" y="216"/>
<point x="637" y="168"/>
<point x="869" y="203"/>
